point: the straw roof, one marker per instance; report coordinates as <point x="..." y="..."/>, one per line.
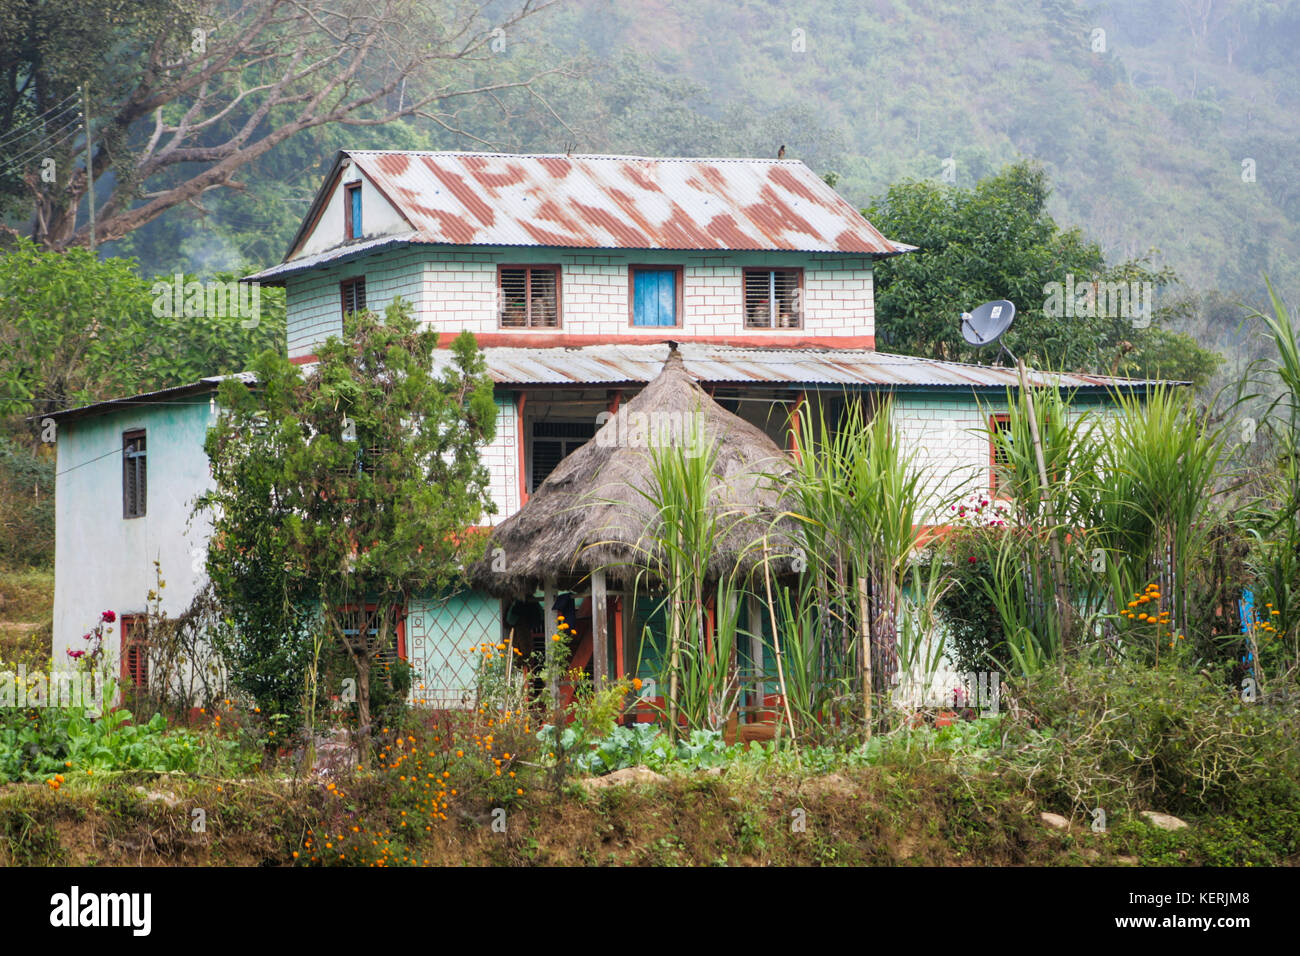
<point x="590" y="511"/>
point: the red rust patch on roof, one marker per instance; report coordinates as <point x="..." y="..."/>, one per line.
<point x="782" y="177"/>
<point x="512" y="175"/>
<point x="641" y="173"/>
<point x="464" y="193"/>
<point x="394" y="164"/>
<point x="616" y="227"/>
<point x="850" y="241"/>
<point x="557" y="166"/>
<point x="545" y="237"/>
<point x="452" y="227"/>
<point x="726" y="231"/>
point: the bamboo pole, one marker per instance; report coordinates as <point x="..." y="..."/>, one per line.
<point x="864" y="625"/>
<point x="1058" y="563"/>
<point x="776" y="640"/>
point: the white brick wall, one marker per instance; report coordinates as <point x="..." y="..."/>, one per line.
<point x="456" y="290"/>
<point x="502" y="459"/>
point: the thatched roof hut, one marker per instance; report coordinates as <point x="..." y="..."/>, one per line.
<point x="590" y="512"/>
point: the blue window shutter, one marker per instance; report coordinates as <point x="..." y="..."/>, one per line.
<point x="654" y="297"/>
<point x="356" y="213"/>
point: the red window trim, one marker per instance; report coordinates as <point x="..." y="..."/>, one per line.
<point x="803" y="300"/>
<point x="348" y="190"/>
<point x="559" y="295"/>
<point x="130" y="676"/>
<point x="400" y="613"/>
<point x="343" y="292"/>
<point x="678" y="283"/>
<point x="999" y="418"/>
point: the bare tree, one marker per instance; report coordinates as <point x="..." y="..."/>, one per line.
<point x="221" y="83"/>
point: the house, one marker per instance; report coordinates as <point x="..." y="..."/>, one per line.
<point x="575" y="273"/>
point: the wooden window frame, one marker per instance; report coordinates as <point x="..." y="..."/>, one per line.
<point x="142" y="496"/>
<point x="349" y="190"/>
<point x="745" y="272"/>
<point x="399" y="627"/>
<point x="530" y="439"/>
<point x="128" y="640"/>
<point x="528" y="302"/>
<point x="344" y="286"/>
<point x="998" y="421"/>
<point x="678" y="286"/>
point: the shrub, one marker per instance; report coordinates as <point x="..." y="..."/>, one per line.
<point x="1134" y="736"/>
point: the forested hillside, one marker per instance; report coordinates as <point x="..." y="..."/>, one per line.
<point x="1143" y="129"/>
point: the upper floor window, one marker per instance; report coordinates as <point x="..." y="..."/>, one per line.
<point x="352" y="211"/>
<point x="529" y="297"/>
<point x="134" y="484"/>
<point x="354" y="294"/>
<point x="773" y="298"/>
<point x="655" y="293"/>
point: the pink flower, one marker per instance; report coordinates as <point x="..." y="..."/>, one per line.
<point x="972" y="559"/>
<point x="108" y="616"/>
<point x="76" y="654"/>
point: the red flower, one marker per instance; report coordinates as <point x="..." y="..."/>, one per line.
<point x="76" y="654"/>
<point x="108" y="616"/>
<point x="972" y="559"/>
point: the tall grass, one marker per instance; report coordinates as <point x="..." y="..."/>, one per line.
<point x="857" y="501"/>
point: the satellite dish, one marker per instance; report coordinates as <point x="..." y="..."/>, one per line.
<point x="988" y="322"/>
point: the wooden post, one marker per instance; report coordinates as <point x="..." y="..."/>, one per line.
<point x="1063" y="609"/>
<point x="548" y="611"/>
<point x="631" y="640"/>
<point x="620" y="654"/>
<point x="864" y="624"/>
<point x="756" y="648"/>
<point x="599" y="630"/>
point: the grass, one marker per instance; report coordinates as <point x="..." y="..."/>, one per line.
<point x="910" y="813"/>
<point x="26" y="616"/>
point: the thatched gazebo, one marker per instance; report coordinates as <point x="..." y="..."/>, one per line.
<point x="588" y="523"/>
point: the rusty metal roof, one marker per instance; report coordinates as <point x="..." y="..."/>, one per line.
<point x="720" y="364"/>
<point x="607" y="202"/>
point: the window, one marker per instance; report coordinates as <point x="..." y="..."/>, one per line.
<point x="134" y="474"/>
<point x="389" y="654"/>
<point x="998" y="461"/>
<point x="773" y="298"/>
<point x="655" y="295"/>
<point x="135" y="652"/>
<point x="354" y="295"/>
<point x="552" y="442"/>
<point x="352" y="211"/>
<point x="529" y="296"/>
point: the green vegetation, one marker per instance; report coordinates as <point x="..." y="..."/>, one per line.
<point x="358" y="480"/>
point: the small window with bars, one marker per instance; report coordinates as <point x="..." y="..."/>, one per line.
<point x="134" y="474"/>
<point x="529" y="297"/>
<point x="135" y="651"/>
<point x="773" y="298"/>
<point x="999" y="461"/>
<point x="552" y="442"/>
<point x="353" y="292"/>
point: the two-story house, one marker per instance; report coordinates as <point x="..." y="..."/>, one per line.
<point x="574" y="272"/>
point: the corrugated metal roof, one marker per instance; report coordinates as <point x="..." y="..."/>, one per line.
<point x="625" y="364"/>
<point x="157" y="396"/>
<point x="609" y="202"/>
